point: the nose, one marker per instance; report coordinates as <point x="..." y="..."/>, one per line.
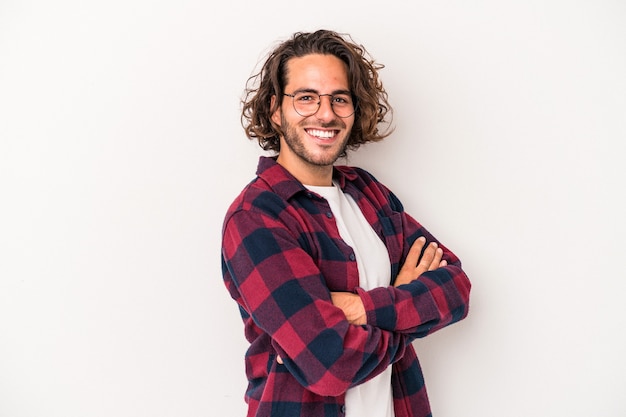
<point x="325" y="110"/>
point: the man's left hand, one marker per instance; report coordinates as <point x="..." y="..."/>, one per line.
<point x="351" y="305"/>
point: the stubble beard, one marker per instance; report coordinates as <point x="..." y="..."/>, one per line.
<point x="297" y="146"/>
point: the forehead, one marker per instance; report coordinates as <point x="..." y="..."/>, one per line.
<point x="318" y="72"/>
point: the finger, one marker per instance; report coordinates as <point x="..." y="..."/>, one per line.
<point x="425" y="260"/>
<point x="443" y="263"/>
<point x="429" y="256"/>
<point x="279" y="359"/>
<point x="412" y="258"/>
<point x="436" y="259"/>
<point x="409" y="270"/>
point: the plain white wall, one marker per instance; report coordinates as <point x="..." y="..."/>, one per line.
<point x="120" y="149"/>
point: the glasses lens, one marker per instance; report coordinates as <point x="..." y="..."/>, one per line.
<point x="307" y="104"/>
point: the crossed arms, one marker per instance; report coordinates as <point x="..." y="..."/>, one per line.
<point x="331" y="341"/>
<point x="416" y="264"/>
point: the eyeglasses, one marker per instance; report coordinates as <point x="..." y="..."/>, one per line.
<point x="307" y="103"/>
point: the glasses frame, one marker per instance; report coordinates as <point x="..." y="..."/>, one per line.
<point x="319" y="104"/>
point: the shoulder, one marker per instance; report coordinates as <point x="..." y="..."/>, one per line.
<point x="256" y="195"/>
<point x="258" y="206"/>
<point x="369" y="185"/>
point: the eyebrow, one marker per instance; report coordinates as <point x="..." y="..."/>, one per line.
<point x="312" y="90"/>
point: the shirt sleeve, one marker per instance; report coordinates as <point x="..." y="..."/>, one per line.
<point x="282" y="289"/>
<point x="436" y="299"/>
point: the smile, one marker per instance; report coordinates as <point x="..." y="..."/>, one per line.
<point x="322" y="134"/>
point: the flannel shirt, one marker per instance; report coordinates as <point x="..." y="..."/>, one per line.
<point x="282" y="256"/>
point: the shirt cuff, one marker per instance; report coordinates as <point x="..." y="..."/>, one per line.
<point x="379" y="307"/>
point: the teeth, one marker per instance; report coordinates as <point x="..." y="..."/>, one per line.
<point x="324" y="134"/>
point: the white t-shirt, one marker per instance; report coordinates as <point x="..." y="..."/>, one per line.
<point x="373" y="398"/>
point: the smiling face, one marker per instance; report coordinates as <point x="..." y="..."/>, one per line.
<point x="310" y="145"/>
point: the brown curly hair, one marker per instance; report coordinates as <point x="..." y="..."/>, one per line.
<point x="367" y="90"/>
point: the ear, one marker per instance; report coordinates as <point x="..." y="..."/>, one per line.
<point x="276" y="115"/>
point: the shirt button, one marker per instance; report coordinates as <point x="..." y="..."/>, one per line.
<point x="329" y="214"/>
<point x="343" y="409"/>
<point x="352" y="257"/>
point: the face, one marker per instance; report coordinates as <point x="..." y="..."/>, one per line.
<point x="311" y="145"/>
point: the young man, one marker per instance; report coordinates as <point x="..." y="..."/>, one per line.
<point x="332" y="278"/>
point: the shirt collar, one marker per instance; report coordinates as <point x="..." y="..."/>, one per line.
<point x="286" y="185"/>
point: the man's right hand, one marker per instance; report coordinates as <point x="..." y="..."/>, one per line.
<point x="414" y="266"/>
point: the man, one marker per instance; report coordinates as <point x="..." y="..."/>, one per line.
<point x="332" y="278"/>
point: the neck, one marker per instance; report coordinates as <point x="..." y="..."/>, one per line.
<point x="309" y="174"/>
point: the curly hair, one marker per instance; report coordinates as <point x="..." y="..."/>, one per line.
<point x="367" y="90"/>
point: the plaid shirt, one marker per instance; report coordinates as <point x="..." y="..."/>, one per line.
<point x="281" y="257"/>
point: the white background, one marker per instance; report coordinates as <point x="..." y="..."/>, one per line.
<point x="121" y="148"/>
